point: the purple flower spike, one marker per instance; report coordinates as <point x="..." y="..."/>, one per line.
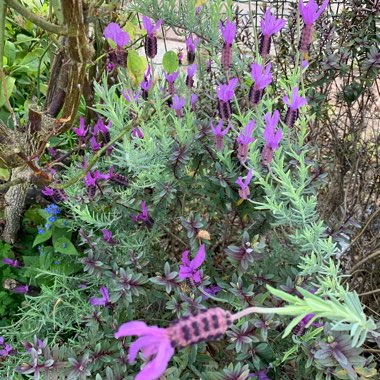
<point x="191" y="45"/>
<point x="81" y="131"/>
<point x="104" y="300"/>
<point x="114" y="32"/>
<point x="270" y="24"/>
<point x="137" y="133"/>
<point x="193" y="101"/>
<point x="271" y="137"/>
<point x="226" y="92"/>
<point x="171" y="79"/>
<point x="244" y="139"/>
<point x="108" y="237"/>
<point x="95" y="146"/>
<point x="310" y="12"/>
<point x="47" y="191"/>
<point x="155" y="344"/>
<point x="301" y="327"/>
<point x="146" y="84"/>
<point x="150" y="39"/>
<point x="228" y="31"/>
<point x="7" y="350"/>
<point x="149" y="26"/>
<point x="296" y="102"/>
<point x="219" y="134"/>
<point x="12" y="262"/>
<point x="189" y="269"/>
<point x="143" y="216"/>
<point x="21" y="289"/>
<point x="178" y="105"/>
<point x="191" y="70"/>
<point x="130" y="96"/>
<point x="244" y="185"/>
<point x="262" y="77"/>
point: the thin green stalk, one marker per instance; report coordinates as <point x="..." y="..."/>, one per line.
<point x="37" y="20"/>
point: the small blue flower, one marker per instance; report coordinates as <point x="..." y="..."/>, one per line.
<point x="64" y="245"/>
<point x="57" y="262"/>
<point x="52" y="209"/>
<point x="47" y="225"/>
<point x="65" y="223"/>
<point x="41" y="231"/>
<point x="40" y="250"/>
<point x="52" y="219"/>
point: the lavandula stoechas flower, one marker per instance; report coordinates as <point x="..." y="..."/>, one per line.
<point x="295" y="103"/>
<point x="244" y="185"/>
<point x="107" y="236"/>
<point x="301" y="327"/>
<point x="262" y="79"/>
<point x="81" y="131"/>
<point x="11" y="262"/>
<point x="171" y="79"/>
<point x="269" y="26"/>
<point x="102" y="301"/>
<point x="189" y="269"/>
<point x="191" y="45"/>
<point x="118" y="178"/>
<point x="219" y="134"/>
<point x="178" y="104"/>
<point x="191" y="70"/>
<point x="150" y="39"/>
<point x="137" y="133"/>
<point x="271" y="137"/>
<point x="193" y="101"/>
<point x="228" y="33"/>
<point x="91" y="180"/>
<point x="225" y="93"/>
<point x="146" y="84"/>
<point x="121" y="38"/>
<point x="244" y="139"/>
<point x="143" y="216"/>
<point x="310" y="15"/>
<point x="157" y="344"/>
<point x="57" y="195"/>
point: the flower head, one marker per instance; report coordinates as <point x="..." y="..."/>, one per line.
<point x="270" y="25"/>
<point x="157" y="344"/>
<point x="262" y="77"/>
<point x="217" y="131"/>
<point x="81" y="131"/>
<point x="244" y="189"/>
<point x="107" y="236"/>
<point x="119" y="36"/>
<point x="101" y="127"/>
<point x="137" y="133"/>
<point x="171" y="77"/>
<point x="193" y="99"/>
<point x="271" y="137"/>
<point x="245" y="136"/>
<point x="296" y="102"/>
<point x="48" y="191"/>
<point x="102" y="301"/>
<point x="149" y="26"/>
<point x="95" y="144"/>
<point x="189" y="269"/>
<point x="191" y="44"/>
<point x="153" y="342"/>
<point x="146" y="84"/>
<point x="191" y="70"/>
<point x="228" y="31"/>
<point x="21" y="289"/>
<point x="130" y="95"/>
<point x="310" y="12"/>
<point x="143" y="216"/>
<point x="11" y="262"/>
<point x="226" y="92"/>
<point x="178" y="103"/>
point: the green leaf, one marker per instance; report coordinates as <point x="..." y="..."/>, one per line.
<point x="10" y="85"/>
<point x="65" y="246"/>
<point x="4" y="174"/>
<point x="40" y="238"/>
<point x="170" y="61"/>
<point x="136" y="66"/>
<point x="10" y="52"/>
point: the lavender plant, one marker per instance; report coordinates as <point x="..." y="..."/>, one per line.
<point x="178" y="219"/>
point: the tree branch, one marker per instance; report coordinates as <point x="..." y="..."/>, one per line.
<point x="37" y="20"/>
<point x="11" y="183"/>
